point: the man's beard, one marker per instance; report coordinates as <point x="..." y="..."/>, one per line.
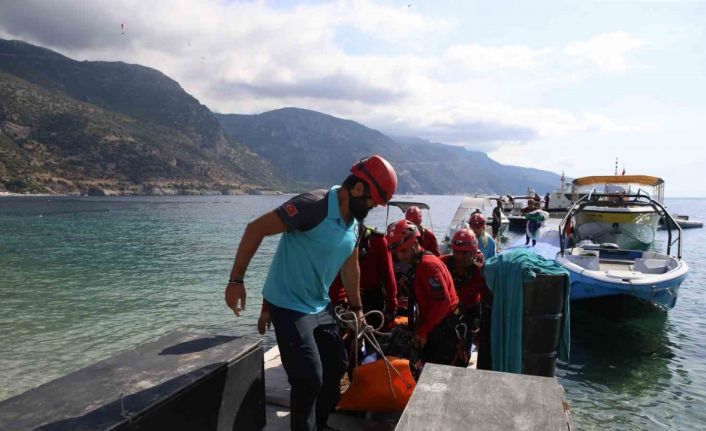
<point x="358" y="208"/>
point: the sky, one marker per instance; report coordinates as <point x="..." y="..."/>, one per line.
<point x="565" y="86"/>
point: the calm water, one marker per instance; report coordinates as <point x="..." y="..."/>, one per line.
<point x="84" y="278"/>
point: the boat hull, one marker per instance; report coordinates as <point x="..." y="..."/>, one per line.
<point x="664" y="294"/>
<point x="662" y="291"/>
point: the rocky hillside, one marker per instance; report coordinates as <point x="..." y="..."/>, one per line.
<point x="104" y="128"/>
<point x="317" y="149"/>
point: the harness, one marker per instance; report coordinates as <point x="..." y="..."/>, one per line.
<point x="364" y="235"/>
<point x="460" y="279"/>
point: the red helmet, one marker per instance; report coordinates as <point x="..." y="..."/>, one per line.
<point x="380" y="177"/>
<point x="414" y="214"/>
<point x="477" y="220"/>
<point x="464" y="240"/>
<point x="401" y="235"/>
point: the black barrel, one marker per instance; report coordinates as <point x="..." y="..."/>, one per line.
<point x="485" y="361"/>
<point x="542" y="323"/>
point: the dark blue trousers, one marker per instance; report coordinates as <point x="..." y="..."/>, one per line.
<point x="314" y="357"/>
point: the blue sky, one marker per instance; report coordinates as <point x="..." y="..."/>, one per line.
<point x="563" y="86"/>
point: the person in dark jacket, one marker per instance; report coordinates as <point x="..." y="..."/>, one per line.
<point x="497" y="218"/>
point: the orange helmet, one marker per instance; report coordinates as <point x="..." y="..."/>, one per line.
<point x="477" y="220"/>
<point x="380" y="177"/>
<point x="414" y="214"/>
<point x="401" y="235"/>
<point x="464" y="240"/>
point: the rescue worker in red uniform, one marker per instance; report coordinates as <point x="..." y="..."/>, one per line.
<point x="440" y="330"/>
<point x="378" y="288"/>
<point x="465" y="266"/>
<point x="426" y="237"/>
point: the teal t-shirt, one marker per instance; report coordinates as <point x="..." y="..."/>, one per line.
<point x="310" y="253"/>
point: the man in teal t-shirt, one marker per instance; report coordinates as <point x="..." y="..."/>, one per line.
<point x="319" y="239"/>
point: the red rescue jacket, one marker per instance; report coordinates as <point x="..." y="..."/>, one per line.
<point x="469" y="287"/>
<point x="434" y="293"/>
<point x="376" y="270"/>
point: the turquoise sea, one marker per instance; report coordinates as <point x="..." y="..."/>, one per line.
<point x="84" y="278"/>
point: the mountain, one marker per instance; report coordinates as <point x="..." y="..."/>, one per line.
<point x="97" y="127"/>
<point x="132" y="90"/>
<point x="317" y="149"/>
<point x="109" y="127"/>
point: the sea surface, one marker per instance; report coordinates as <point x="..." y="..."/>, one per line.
<point x="84" y="278"/>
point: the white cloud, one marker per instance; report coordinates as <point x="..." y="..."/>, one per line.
<point x="607" y="51"/>
<point x="476" y="57"/>
<point x="390" y="23"/>
<point x="249" y="57"/>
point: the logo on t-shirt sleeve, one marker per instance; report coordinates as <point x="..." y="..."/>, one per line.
<point x="437" y="292"/>
<point x="290" y="209"/>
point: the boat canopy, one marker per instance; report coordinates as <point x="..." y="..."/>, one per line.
<point x="619" y="179"/>
<point x="405" y="205"/>
<point x="612" y="184"/>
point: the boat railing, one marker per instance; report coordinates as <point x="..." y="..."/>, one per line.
<point x="567" y="218"/>
<point x="593" y="197"/>
<point x="670" y="223"/>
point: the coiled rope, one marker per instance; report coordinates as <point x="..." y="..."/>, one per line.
<point x="349" y="320"/>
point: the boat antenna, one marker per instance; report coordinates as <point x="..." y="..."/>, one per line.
<point x="616" y="166"/>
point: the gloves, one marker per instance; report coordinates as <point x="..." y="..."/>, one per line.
<point x="478" y="259"/>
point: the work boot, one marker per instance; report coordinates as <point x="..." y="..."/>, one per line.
<point x="534" y="242"/>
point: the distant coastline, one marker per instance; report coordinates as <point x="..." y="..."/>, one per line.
<point x="154" y="192"/>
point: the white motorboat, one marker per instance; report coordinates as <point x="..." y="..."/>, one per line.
<point x="618" y="210"/>
<point x="559" y="199"/>
<point x="605" y="270"/>
<point x="469" y="205"/>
